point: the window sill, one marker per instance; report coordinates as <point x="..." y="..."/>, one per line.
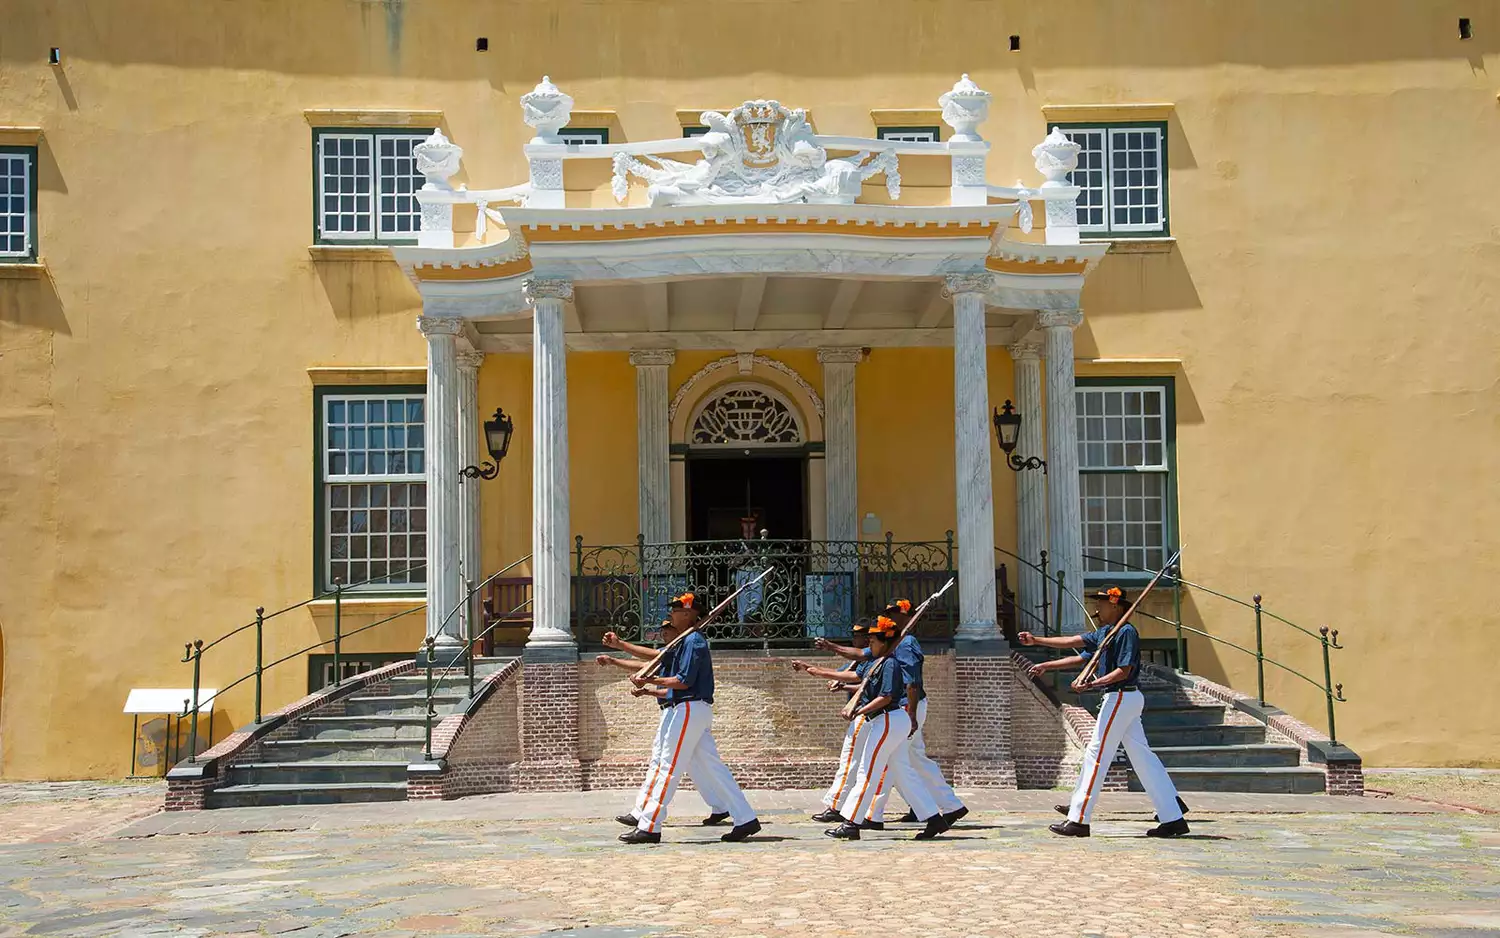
<point x="29" y="270"/>
<point x="350" y="253"/>
<point x="1122" y="245"/>
<point x="359" y="603"/>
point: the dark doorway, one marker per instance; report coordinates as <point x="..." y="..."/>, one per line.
<point x="722" y="490"/>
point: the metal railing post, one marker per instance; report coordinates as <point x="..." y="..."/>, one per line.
<point x="641" y="582"/>
<point x="338" y="630"/>
<point x="1062" y="595"/>
<point x="260" y="623"/>
<point x="1328" y="683"/>
<point x="431" y="711"/>
<point x="578" y="555"/>
<point x="1046" y="599"/>
<point x="1177" y="620"/>
<point x="1260" y="657"/>
<point x="469" y="632"/>
<point x="890" y="567"/>
<point x="197" y="670"/>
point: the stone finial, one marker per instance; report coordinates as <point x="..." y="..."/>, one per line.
<point x="1056" y="157"/>
<point x="547" y="109"/>
<point x="964" y="109"/>
<point x="437" y="159"/>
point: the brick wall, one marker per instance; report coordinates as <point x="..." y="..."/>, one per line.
<point x="549" y="726"/>
<point x="480" y="750"/>
<point x="1046" y="754"/>
<point x="981" y="723"/>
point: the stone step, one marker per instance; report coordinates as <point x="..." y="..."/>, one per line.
<point x="401" y="704"/>
<point x="363" y="727"/>
<point x="342" y="750"/>
<point x="1156" y="698"/>
<point x="1186" y="715"/>
<point x="332" y="771"/>
<point x="1224" y="735"/>
<point x="242" y="796"/>
<point x="1285" y="780"/>
<point x="1231" y="756"/>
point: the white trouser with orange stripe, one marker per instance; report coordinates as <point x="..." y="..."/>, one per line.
<point x="712" y="795"/>
<point x="1120" y="724"/>
<point x="882" y="749"/>
<point x="689" y="747"/>
<point x="924" y="770"/>
<point x="848" y="766"/>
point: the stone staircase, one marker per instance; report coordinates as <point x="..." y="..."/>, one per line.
<point x="1207" y="746"/>
<point x="353" y="750"/>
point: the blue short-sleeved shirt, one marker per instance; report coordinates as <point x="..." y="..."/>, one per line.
<point x="1123" y="652"/>
<point x="860" y="668"/>
<point x="885" y="681"/>
<point x="693" y="666"/>
<point x="909" y="657"/>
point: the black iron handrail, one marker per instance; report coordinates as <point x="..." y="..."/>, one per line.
<point x="430" y="647"/>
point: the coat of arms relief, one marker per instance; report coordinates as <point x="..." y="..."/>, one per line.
<point x="758" y="152"/>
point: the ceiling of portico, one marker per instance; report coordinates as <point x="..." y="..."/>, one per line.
<point x="747" y="313"/>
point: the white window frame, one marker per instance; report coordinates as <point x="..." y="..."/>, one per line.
<point x="1108" y="133"/>
<point x="374" y="221"/>
<point x="1164" y="468"/>
<point x="908" y="134"/>
<point x="27" y="156"/>
<point x="583" y="135"/>
<point x="327" y="479"/>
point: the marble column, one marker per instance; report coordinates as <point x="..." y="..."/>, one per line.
<point x="1065" y="534"/>
<point x="444" y="537"/>
<point x="1031" y="485"/>
<point x="840" y="450"/>
<point x="971" y="432"/>
<point x="470" y="448"/>
<point x="653" y="443"/>
<point x="551" y="584"/>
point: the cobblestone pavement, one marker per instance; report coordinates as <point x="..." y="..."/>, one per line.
<point x="39" y="812"/>
<point x="549" y="864"/>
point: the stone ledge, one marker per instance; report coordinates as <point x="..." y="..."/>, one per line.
<point x="27" y="271"/>
<point x="1136" y="245"/>
<point x="351" y="253"/>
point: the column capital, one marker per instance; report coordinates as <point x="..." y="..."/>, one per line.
<point x="1026" y="350"/>
<point x="655" y="356"/>
<point x="470" y="359"/>
<point x="956" y="284"/>
<point x="439" y="325"/>
<point x="547" y="288"/>
<point x="841" y="356"/>
<point x="1059" y="318"/>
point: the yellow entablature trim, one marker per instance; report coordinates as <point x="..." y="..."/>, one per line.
<point x="1015" y="265"/>
<point x="493" y="272"/>
<point x="675" y="229"/>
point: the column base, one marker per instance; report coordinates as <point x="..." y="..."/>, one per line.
<point x="545" y="652"/>
<point x="980" y="634"/>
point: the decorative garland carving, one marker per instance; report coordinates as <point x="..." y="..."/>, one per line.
<point x="729" y="361"/>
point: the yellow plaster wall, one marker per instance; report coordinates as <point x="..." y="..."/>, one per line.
<point x="1337" y="391"/>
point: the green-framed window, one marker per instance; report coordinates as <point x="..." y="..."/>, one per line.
<point x="365" y="184"/>
<point x="583" y="135"/>
<point x="1121" y="177"/>
<point x="695" y="130"/>
<point x="909" y="134"/>
<point x="1127" y="439"/>
<point x="18" y="204"/>
<point x="370" y="489"/>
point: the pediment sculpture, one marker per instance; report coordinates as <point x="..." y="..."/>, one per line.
<point x="760" y="152"/>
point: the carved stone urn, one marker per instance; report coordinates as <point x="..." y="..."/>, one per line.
<point x="964" y="109"/>
<point x="548" y="109"/>
<point x="437" y="159"/>
<point x="1056" y="157"/>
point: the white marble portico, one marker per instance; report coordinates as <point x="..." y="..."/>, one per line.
<point x="749" y="238"/>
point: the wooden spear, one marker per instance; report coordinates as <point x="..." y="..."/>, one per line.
<point x="649" y="668"/>
<point x="1091" y="669"/>
<point x="853" y="703"/>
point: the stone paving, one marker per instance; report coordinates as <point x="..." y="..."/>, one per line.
<point x="38" y="812"/>
<point x="527" y="865"/>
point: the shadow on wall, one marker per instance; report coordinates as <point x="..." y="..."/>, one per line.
<point x="33" y="303"/>
<point x="366" y="288"/>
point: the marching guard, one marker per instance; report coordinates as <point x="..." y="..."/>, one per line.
<point x="908" y="655"/>
<point x="687" y="687"/>
<point x="883" y="741"/>
<point x="1119" y="719"/>
<point x="843" y="681"/>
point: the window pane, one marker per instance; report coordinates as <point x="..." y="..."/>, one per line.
<point x="1132" y="530"/>
<point x="346" y="176"/>
<point x="1135" y="192"/>
<point x="1126" y="421"/>
<point x="15" y="212"/>
<point x="384" y="498"/>
<point x="400" y="213"/>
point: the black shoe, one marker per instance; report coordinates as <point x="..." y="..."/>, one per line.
<point x="1061" y="809"/>
<point x="909" y="817"/>
<point x="715" y="818"/>
<point x="1170" y="829"/>
<point x="953" y="817"/>
<point x="828" y="817"/>
<point x="935" y="826"/>
<point x="844" y="831"/>
<point x="629" y="820"/>
<point x="639" y="836"/>
<point x="741" y="831"/>
<point x="1069" y="829"/>
<point x="1181" y="806"/>
<point x="869" y="825"/>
